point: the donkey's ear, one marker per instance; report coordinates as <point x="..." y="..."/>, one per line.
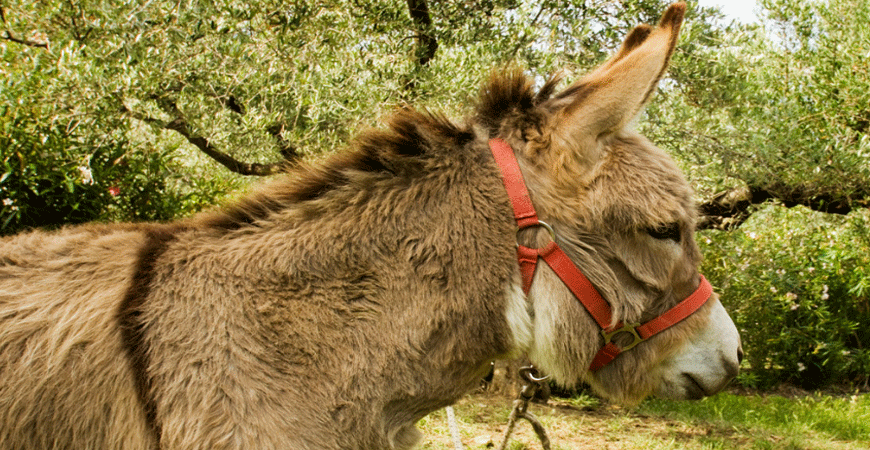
<point x="607" y="99"/>
<point x="635" y="38"/>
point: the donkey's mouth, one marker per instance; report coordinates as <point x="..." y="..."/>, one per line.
<point x="694" y="389"/>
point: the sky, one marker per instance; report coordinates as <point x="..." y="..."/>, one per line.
<point x="742" y="10"/>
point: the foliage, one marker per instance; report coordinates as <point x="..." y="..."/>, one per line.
<point x="51" y="174"/>
<point x="797" y="284"/>
<point x="819" y="113"/>
<point x="316" y="71"/>
<point x="781" y="106"/>
<point x="156" y="84"/>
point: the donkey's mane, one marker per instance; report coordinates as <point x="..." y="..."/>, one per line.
<point x="412" y="138"/>
<point x="510" y="93"/>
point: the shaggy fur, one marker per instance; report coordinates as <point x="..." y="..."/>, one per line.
<point x="339" y="305"/>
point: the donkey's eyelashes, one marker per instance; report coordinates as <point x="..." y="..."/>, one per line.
<point x="670" y="231"/>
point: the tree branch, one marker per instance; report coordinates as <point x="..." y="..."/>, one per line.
<point x="180" y="126"/>
<point x="7" y="35"/>
<point x="427" y="45"/>
<point x="729" y="209"/>
<point x="523" y="40"/>
<point x="287" y="150"/>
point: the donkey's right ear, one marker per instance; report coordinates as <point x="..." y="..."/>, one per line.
<point x="606" y="100"/>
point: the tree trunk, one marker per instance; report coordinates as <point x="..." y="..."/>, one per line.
<point x="505" y="379"/>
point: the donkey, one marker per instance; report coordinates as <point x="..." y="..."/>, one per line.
<point x="339" y="305"/>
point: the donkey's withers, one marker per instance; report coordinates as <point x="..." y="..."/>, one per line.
<point x="338" y="306"/>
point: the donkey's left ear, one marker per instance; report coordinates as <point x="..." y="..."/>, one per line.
<point x="606" y="100"/>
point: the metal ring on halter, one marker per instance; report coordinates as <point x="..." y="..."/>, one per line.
<point x="539" y="223"/>
<point x="628" y="328"/>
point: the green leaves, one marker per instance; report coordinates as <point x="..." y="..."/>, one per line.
<point x="782" y="106"/>
<point x="317" y="71"/>
<point x="794" y="281"/>
<point x="65" y="163"/>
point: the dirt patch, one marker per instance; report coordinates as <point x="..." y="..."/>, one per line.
<point x="586" y="424"/>
<point x="483" y="420"/>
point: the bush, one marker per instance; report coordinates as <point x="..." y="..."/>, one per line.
<point x="796" y="283"/>
<point x="48" y="178"/>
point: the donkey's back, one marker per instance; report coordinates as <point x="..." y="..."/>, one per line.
<point x="64" y="379"/>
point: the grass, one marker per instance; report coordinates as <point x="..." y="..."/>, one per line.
<point x="726" y="421"/>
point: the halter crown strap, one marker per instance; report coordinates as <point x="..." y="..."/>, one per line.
<point x="524" y="211"/>
<point x="577" y="283"/>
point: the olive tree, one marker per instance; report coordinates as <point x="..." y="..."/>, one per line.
<point x="195" y="96"/>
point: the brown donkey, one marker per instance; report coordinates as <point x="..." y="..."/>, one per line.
<point x="338" y="306"/>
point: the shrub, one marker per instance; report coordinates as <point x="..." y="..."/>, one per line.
<point x="49" y="178"/>
<point x="796" y="283"/>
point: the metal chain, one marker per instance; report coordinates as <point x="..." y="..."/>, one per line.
<point x="521" y="407"/>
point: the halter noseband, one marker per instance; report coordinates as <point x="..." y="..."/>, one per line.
<point x="577" y="283"/>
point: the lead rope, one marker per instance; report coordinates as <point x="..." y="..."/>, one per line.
<point x="521" y="408"/>
<point x="454" y="429"/>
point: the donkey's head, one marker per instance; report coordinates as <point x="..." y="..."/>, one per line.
<point x="625" y="217"/>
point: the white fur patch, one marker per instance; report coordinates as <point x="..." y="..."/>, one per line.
<point x="547" y="314"/>
<point x="519" y="319"/>
<point x="533" y="325"/>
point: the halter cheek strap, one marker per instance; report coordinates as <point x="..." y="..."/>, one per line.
<point x="571" y="276"/>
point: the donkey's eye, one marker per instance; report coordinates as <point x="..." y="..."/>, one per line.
<point x="665" y="231"/>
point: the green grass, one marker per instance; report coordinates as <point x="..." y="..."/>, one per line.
<point x="726" y="421"/>
<point x="810" y="421"/>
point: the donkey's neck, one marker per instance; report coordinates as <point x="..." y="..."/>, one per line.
<point x="387" y="292"/>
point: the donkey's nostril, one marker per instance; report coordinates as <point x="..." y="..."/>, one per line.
<point x="739" y="355"/>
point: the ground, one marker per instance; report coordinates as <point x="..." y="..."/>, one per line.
<point x="735" y="420"/>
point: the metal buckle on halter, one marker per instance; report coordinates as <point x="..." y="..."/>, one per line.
<point x="539" y="223"/>
<point x="629" y="328"/>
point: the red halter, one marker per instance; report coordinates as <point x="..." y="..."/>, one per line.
<point x="580" y="286"/>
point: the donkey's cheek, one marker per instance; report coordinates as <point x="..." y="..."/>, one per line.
<point x="706" y="363"/>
